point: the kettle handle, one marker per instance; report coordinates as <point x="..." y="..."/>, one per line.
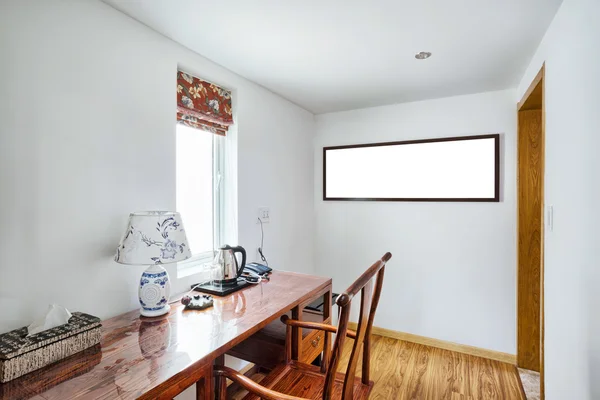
<point x="240" y="249"/>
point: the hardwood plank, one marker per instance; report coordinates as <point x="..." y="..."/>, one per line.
<point x="488" y="378"/>
<point x="530" y="228"/>
<point x="449" y="378"/>
<point x="415" y="386"/>
<point x="389" y="363"/>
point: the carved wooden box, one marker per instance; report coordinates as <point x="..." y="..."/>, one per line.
<point x="20" y="354"/>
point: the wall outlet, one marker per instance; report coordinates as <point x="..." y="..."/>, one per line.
<point x="264" y="214"/>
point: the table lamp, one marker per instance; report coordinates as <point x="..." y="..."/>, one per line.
<point x="153" y="238"/>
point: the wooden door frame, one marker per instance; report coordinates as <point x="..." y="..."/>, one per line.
<point x="533" y="100"/>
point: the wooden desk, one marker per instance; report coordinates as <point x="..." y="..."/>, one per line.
<point x="158" y="358"/>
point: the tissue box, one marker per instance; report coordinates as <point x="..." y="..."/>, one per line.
<point x="20" y="354"/>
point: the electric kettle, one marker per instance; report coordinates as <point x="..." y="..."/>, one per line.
<point x="227" y="268"/>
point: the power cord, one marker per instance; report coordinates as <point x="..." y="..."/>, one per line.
<point x="198" y="285"/>
<point x="262" y="238"/>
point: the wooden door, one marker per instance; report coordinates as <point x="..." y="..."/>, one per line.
<point x="530" y="200"/>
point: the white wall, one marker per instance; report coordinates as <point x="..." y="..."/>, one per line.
<point x="87" y="135"/>
<point x="453" y="271"/>
<point x="570" y="50"/>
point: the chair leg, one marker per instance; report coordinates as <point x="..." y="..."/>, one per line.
<point x="326" y="352"/>
<point x="366" y="367"/>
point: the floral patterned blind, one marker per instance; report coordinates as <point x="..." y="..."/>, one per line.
<point x="203" y="105"/>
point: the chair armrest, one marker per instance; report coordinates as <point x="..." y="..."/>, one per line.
<point x="251" y="386"/>
<point x="315" y="325"/>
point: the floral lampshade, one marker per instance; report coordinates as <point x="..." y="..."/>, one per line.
<point x="153" y="237"/>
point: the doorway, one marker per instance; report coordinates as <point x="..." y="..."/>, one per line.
<point x="530" y="245"/>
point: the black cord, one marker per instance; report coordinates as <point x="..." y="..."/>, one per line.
<point x="262" y="238"/>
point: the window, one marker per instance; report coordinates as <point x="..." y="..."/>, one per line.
<point x="199" y="163"/>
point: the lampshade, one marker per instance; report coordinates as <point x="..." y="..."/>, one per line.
<point x="153" y="237"/>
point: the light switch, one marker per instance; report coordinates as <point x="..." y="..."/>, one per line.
<point x="550" y="218"/>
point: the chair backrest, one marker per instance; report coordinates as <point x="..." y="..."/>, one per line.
<point x="369" y="284"/>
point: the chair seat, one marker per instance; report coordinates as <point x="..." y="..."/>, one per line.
<point x="306" y="381"/>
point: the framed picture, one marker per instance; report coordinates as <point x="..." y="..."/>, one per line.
<point x="465" y="168"/>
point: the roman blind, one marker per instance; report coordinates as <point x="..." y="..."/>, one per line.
<point x="203" y="105"/>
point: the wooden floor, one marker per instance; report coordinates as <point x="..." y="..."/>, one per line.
<point x="403" y="370"/>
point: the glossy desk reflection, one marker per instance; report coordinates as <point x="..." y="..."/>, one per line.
<point x="157" y="358"/>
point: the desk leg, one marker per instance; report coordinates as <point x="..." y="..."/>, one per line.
<point x="220" y="382"/>
<point x="204" y="385"/>
<point x="296" y="334"/>
<point x="327" y="341"/>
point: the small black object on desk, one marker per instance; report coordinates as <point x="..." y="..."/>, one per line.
<point x="259" y="269"/>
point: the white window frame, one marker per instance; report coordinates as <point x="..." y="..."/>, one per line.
<point x="198" y="262"/>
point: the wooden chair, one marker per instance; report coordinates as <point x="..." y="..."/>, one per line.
<point x="293" y="380"/>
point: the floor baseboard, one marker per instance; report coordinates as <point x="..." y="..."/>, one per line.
<point x="442" y="344"/>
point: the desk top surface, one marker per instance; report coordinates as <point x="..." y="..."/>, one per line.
<point x="139" y="355"/>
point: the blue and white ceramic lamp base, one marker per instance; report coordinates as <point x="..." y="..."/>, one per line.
<point x="154" y="291"/>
